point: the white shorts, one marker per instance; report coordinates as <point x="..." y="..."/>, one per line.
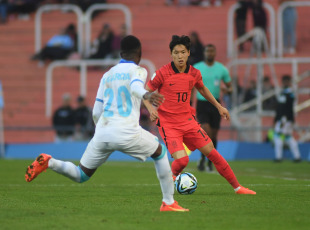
<point x="141" y="146"/>
<point x="284" y="127"/>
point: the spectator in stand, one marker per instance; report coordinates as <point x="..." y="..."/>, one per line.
<point x="3" y="10"/>
<point x="289" y="19"/>
<point x="268" y="104"/>
<point x="259" y="15"/>
<point x="196" y="49"/>
<point x="207" y="3"/>
<point x="22" y="7"/>
<point x="260" y="21"/>
<point x="116" y="44"/>
<point x="59" y="46"/>
<point x="63" y="120"/>
<point x="240" y="19"/>
<point x="250" y="93"/>
<point x="84" y="126"/>
<point x="102" y="46"/>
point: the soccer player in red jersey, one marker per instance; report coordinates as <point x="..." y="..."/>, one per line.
<point x="176" y="122"/>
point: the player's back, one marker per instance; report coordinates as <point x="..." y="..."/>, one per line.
<point x="121" y="110"/>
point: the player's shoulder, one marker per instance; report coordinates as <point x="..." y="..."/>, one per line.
<point x="193" y="70"/>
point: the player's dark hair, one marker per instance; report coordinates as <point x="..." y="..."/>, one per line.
<point x="177" y="40"/>
<point x="130" y="46"/>
<point x="210" y="46"/>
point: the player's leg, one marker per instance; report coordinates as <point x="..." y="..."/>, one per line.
<point x="212" y="132"/>
<point x="78" y="174"/>
<point x="278" y="142"/>
<point x="92" y="158"/>
<point x="66" y="168"/>
<point x="146" y="145"/>
<point x="164" y="175"/>
<point x="174" y="143"/>
<point x="293" y="145"/>
<point x="223" y="168"/>
<point x="181" y="160"/>
<point x="290" y="140"/>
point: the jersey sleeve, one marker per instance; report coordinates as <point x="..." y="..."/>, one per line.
<point x="138" y="74"/>
<point x="226" y="76"/>
<point x="99" y="96"/>
<point x="138" y="78"/>
<point x="156" y="81"/>
<point x="199" y="83"/>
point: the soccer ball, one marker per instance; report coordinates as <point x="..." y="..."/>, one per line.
<point x="186" y="183"/>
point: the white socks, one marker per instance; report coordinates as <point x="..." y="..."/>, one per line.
<point x="164" y="175"/>
<point x="65" y="168"/>
<point x="278" y="144"/>
<point x="294" y="148"/>
<point x="292" y="144"/>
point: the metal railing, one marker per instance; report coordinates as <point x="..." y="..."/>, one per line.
<point x="63" y="7"/>
<point x="238" y="109"/>
<point x="83" y="75"/>
<point x="231" y="29"/>
<point x="281" y="9"/>
<point x="95" y="7"/>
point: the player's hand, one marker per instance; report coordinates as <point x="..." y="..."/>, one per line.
<point x="153" y="115"/>
<point x="224" y="113"/>
<point x="154" y="98"/>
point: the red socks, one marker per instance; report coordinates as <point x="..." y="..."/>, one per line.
<point x="178" y="165"/>
<point x="223" y="168"/>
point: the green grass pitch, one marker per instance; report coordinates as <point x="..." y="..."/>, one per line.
<point x="126" y="195"/>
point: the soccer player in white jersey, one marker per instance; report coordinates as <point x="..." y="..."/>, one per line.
<point x="116" y="115"/>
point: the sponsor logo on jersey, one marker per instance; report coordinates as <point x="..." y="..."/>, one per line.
<point x="116" y="77"/>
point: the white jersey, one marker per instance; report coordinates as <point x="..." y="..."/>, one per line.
<point x="121" y="109"/>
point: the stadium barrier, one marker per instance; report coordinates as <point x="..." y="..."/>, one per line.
<point x="231" y="28"/>
<point x="230" y="150"/>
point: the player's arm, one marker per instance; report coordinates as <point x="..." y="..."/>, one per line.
<point x="153" y="111"/>
<point x="98" y="106"/>
<point x="227" y="89"/>
<point x="138" y="90"/>
<point x="97" y="110"/>
<point x="205" y="92"/>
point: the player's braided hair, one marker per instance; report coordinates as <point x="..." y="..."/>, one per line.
<point x="180" y="40"/>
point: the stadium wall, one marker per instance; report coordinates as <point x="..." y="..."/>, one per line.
<point x="231" y="150"/>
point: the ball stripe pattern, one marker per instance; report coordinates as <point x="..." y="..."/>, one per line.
<point x="186" y="183"/>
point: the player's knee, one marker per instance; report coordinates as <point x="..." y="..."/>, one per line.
<point x="160" y="152"/>
<point x="179" y="164"/>
<point x="205" y="150"/>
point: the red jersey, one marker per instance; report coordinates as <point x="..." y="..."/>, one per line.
<point x="176" y="88"/>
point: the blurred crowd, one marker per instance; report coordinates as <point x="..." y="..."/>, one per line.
<point x="63" y="45"/>
<point x="22" y="8"/>
<point x="73" y="123"/>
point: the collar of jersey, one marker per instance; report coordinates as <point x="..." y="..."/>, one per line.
<point x="125" y="61"/>
<point x="176" y="70"/>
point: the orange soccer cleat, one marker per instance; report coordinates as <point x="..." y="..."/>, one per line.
<point x="38" y="166"/>
<point x="172" y="208"/>
<point x="243" y="190"/>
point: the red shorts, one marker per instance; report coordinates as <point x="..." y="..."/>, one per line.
<point x="193" y="136"/>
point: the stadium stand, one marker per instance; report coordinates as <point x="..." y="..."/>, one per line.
<point x="24" y="82"/>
